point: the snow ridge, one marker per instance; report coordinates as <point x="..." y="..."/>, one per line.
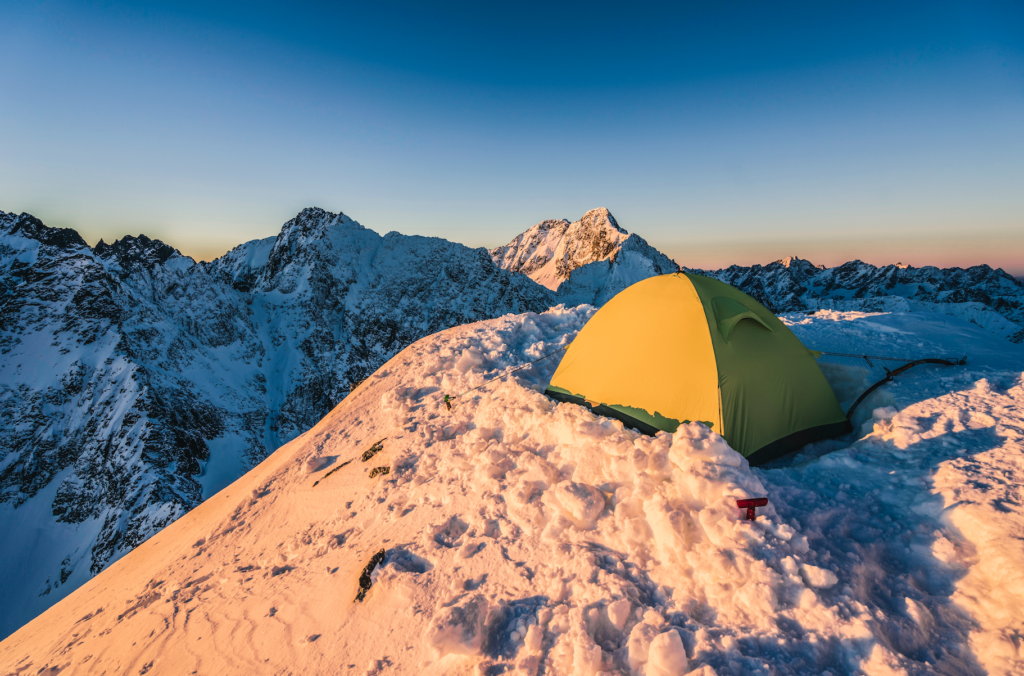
<point x="135" y="382"/>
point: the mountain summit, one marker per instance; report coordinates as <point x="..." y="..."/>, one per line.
<point x="595" y="251"/>
<point x="135" y="382"/>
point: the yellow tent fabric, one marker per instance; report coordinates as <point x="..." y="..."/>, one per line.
<point x="686" y="348"/>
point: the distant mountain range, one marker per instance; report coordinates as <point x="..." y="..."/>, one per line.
<point x="592" y="259"/>
<point x="989" y="298"/>
<point x="135" y="382"/>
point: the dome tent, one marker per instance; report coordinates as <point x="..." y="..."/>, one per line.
<point x="683" y="348"/>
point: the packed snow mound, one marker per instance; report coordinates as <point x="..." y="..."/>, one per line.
<point x="526" y="536"/>
<point x="551" y="251"/>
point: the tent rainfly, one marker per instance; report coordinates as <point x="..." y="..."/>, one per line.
<point x="682" y="348"/>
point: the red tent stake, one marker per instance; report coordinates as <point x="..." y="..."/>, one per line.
<point x="750" y="504"/>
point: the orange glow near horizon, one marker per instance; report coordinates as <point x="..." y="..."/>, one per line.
<point x="1005" y="253"/>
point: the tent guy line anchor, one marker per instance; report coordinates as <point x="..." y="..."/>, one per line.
<point x="889" y="375"/>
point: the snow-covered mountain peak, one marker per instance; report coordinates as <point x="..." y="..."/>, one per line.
<point x="551" y="250"/>
<point x="302" y="237"/>
<point x="30" y="227"/>
<point x="313" y="222"/>
<point x="797" y="263"/>
<point x="133" y="253"/>
<point x="799" y="268"/>
<point x="600" y="218"/>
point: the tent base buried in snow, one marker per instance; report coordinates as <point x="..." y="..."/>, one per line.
<point x="683" y="348"/>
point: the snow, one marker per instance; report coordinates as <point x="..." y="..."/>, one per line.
<point x="34" y="543"/>
<point x="525" y="536"/>
<point x="548" y="251"/>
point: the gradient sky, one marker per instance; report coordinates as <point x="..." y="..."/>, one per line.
<point x="722" y="134"/>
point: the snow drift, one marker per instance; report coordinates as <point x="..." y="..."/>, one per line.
<point x="528" y="536"/>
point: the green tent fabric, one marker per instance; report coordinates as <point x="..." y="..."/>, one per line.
<point x="685" y="348"/>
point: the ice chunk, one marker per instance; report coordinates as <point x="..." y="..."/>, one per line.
<point x="534" y="638"/>
<point x="884" y="413"/>
<point x="459" y="629"/>
<point x="696" y="442"/>
<point x="819" y="577"/>
<point x="666" y="655"/>
<point x="640" y="639"/>
<point x="316" y="463"/>
<point x="618" y="612"/>
<point x="471" y="357"/>
<point x="580" y="502"/>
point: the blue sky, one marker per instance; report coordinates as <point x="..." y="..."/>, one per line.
<point x="732" y="133"/>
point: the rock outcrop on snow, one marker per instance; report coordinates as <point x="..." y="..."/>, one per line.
<point x="134" y="382"/>
<point x="988" y="298"/>
<point x="587" y="261"/>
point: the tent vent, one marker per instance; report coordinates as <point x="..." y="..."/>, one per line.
<point x="729" y="313"/>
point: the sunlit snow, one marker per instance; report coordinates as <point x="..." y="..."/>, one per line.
<point x="525" y="536"/>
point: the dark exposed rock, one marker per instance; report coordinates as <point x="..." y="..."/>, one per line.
<point x="372" y="450"/>
<point x="132" y="253"/>
<point x="365" y="581"/>
<point x="30" y="227"/>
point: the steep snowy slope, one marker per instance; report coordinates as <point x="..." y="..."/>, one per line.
<point x="134" y="382"/>
<point x="524" y="534"/>
<point x="989" y="298"/>
<point x="593" y="256"/>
